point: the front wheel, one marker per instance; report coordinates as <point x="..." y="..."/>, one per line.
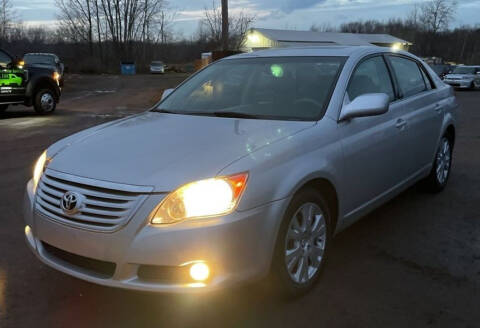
<point x="44" y="101"/>
<point x="438" y="178"/>
<point x="302" y="243"/>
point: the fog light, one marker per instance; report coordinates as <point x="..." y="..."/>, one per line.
<point x="199" y="271"/>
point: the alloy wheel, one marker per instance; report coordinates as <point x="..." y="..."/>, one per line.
<point x="444" y="156"/>
<point x="305" y="243"/>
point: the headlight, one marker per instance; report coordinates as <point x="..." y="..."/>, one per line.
<point x="199" y="199"/>
<point x="56" y="76"/>
<point x="39" y="168"/>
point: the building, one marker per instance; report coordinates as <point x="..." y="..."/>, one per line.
<point x="261" y="38"/>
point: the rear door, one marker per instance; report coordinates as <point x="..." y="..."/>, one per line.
<point x="372" y="145"/>
<point x="12" y="80"/>
<point x="422" y="110"/>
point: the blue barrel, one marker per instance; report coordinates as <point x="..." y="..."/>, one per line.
<point x="127" y="68"/>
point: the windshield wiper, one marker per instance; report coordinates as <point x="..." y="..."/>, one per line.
<point x="218" y="113"/>
<point x="236" y="114"/>
<point x="163" y="111"/>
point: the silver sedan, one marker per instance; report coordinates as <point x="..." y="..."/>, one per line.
<point x="245" y="170"/>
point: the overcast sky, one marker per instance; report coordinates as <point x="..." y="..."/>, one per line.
<point x="290" y="14"/>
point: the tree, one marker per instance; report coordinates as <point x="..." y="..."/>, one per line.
<point x="436" y="15"/>
<point x="211" y="27"/>
<point x="7" y="17"/>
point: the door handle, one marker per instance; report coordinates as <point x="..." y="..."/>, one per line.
<point x="401" y="123"/>
<point x="438" y="108"/>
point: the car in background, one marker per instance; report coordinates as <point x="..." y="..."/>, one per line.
<point x="442" y="69"/>
<point x="464" y="77"/>
<point x="157" y="67"/>
<point x="36" y="86"/>
<point x="47" y="60"/>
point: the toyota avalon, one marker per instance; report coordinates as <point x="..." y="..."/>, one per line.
<point x="244" y="171"/>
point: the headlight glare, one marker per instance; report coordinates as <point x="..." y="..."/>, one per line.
<point x="204" y="198"/>
<point x="38" y="170"/>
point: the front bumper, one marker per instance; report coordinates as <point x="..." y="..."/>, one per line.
<point x="237" y="247"/>
<point x="464" y="84"/>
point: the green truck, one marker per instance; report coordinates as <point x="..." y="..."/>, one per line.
<point x="36" y="86"/>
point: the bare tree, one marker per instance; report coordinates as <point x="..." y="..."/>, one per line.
<point x="324" y="27"/>
<point x="436" y="15"/>
<point x="7" y="17"/>
<point x="211" y="27"/>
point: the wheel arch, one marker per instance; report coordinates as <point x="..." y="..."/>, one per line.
<point x="42" y="82"/>
<point x="450" y="134"/>
<point x="325" y="187"/>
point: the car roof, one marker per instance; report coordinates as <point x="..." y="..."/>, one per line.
<point x="313" y="51"/>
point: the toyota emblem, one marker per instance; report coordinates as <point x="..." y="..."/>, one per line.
<point x="70" y="202"/>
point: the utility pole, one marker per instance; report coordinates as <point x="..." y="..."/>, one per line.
<point x="225" y="24"/>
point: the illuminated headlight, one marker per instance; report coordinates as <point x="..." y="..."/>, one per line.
<point x="56" y="76"/>
<point x="39" y="168"/>
<point x="199" y="199"/>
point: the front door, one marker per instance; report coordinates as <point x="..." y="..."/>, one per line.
<point x="372" y="145"/>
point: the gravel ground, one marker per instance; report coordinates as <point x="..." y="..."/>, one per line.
<point x="414" y="262"/>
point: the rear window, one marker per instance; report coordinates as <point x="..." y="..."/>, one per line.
<point x="464" y="70"/>
<point x="275" y="88"/>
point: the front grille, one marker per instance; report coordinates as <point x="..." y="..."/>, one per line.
<point x="104" y="207"/>
<point x="102" y="269"/>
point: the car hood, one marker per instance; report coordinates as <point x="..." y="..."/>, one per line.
<point x="459" y="76"/>
<point x="165" y="150"/>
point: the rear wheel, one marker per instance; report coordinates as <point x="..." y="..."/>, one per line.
<point x="302" y="243"/>
<point x="438" y="178"/>
<point x="44" y="101"/>
<point x="3" y="108"/>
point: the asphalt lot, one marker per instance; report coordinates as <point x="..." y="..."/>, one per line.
<point x="414" y="262"/>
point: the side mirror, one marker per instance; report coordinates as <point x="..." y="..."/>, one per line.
<point x="370" y="104"/>
<point x="166" y="92"/>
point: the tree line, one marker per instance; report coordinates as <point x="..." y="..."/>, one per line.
<point x="96" y="35"/>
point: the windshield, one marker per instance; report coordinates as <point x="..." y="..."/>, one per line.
<point x="39" y="59"/>
<point x="157" y="63"/>
<point x="296" y="88"/>
<point x="464" y="70"/>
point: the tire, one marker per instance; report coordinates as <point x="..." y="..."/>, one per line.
<point x="3" y="108"/>
<point x="44" y="101"/>
<point x="297" y="247"/>
<point x="442" y="165"/>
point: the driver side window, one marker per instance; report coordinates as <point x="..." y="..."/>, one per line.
<point x="371" y="76"/>
<point x="4" y="59"/>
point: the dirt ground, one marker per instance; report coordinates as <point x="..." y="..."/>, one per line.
<point x="115" y="94"/>
<point x="414" y="262"/>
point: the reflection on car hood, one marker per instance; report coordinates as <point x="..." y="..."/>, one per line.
<point x="165" y="150"/>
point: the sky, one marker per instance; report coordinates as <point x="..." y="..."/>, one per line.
<point x="281" y="14"/>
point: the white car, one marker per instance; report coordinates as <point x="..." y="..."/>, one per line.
<point x="465" y="77"/>
<point x="157" y="67"/>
